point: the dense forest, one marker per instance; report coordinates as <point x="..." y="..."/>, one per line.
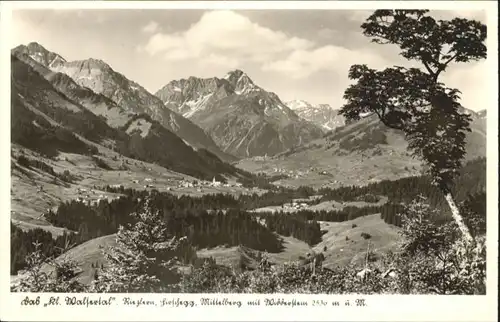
<point x="472" y="179"/>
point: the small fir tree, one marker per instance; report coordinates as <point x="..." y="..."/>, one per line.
<point x="146" y="257"/>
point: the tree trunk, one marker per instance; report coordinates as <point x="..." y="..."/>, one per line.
<point x="455" y="212"/>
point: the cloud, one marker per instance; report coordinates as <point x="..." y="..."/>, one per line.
<point x="214" y="59"/>
<point x="230" y="39"/>
<point x="227" y="35"/>
<point x="358" y="15"/>
<point x="151" y="27"/>
<point x="468" y="14"/>
<point x="303" y="63"/>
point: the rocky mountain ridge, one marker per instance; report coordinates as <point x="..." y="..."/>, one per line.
<point x="51" y="114"/>
<point x="128" y="96"/>
<point x="322" y="114"/>
<point x="242" y="118"/>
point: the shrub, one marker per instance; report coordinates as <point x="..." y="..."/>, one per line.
<point x="101" y="163"/>
<point x="66" y="176"/>
<point x="366" y="235"/>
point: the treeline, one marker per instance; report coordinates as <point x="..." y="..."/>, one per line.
<point x="261" y="181"/>
<point x="276" y="197"/>
<point x="26" y="162"/>
<point x="91" y="221"/>
<point x="167" y="201"/>
<point x="230" y="228"/>
<point x="303" y="224"/>
<point x="472" y="179"/>
<point x="22" y="244"/>
<point x="306" y="230"/>
<point x="187" y="216"/>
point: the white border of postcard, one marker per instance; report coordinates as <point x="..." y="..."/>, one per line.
<point x="379" y="307"/>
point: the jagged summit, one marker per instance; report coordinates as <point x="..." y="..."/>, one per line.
<point x="299" y="104"/>
<point x="40" y="54"/>
<point x="91" y="63"/>
<point x="237" y="73"/>
<point x="34" y="46"/>
<point x="240" y="81"/>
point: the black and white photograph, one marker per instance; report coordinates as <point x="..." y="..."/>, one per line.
<point x="246" y="150"/>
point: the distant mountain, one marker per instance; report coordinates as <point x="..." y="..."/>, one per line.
<point x="242" y="118"/>
<point x="361" y="152"/>
<point x="323" y="114"/>
<point x="128" y="96"/>
<point x="47" y="119"/>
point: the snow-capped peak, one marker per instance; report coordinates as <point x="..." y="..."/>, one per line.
<point x="322" y="114"/>
<point x="298" y="105"/>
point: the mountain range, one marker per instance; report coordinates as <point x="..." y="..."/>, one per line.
<point x="243" y="119"/>
<point x="129" y="98"/>
<point x="53" y="111"/>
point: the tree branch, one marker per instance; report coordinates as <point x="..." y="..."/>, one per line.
<point x="444" y="65"/>
<point x="392" y="126"/>
<point x="449" y="60"/>
<point x="431" y="72"/>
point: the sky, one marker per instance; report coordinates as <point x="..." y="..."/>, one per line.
<point x="298" y="54"/>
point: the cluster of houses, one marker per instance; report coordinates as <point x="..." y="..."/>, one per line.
<point x="90" y="197"/>
<point x="291" y="173"/>
<point x="200" y="184"/>
<point x="260" y="158"/>
<point x="298" y="174"/>
<point x="331" y="183"/>
<point x="295" y="205"/>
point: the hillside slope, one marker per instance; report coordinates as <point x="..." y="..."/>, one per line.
<point x="36" y="102"/>
<point x="359" y="153"/>
<point x="124" y="97"/>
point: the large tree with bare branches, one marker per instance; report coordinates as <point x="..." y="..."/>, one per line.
<point x="413" y="100"/>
